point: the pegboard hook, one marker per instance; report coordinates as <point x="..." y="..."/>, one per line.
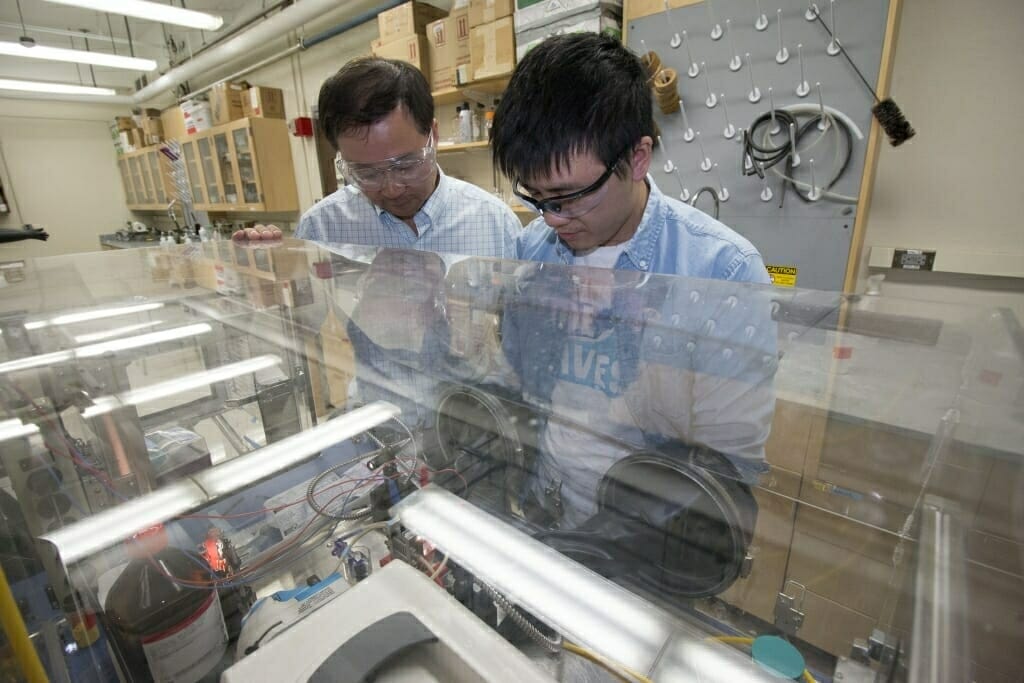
<point x="761" y="23"/>
<point x="736" y="63"/>
<point x="687" y="130"/>
<point x="803" y="89"/>
<point x="693" y="70"/>
<point x="716" y="28"/>
<point x="833" y="48"/>
<point x="755" y="93"/>
<point x="782" y="56"/>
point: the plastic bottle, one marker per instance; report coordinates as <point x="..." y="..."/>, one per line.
<point x="465" y="123"/>
<point x="163" y="629"/>
<point x="455" y="124"/>
<point x="488" y="122"/>
<point x="478" y="123"/>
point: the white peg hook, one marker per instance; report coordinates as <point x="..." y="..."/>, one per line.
<point x="711" y="100"/>
<point x="684" y="194"/>
<point x="675" y="41"/>
<point x="723" y="191"/>
<point x="811" y="13"/>
<point x="803" y="89"/>
<point x="693" y="70"/>
<point x="823" y="118"/>
<point x="705" y="161"/>
<point x="766" y="190"/>
<point x="755" y="93"/>
<point x="833" y="45"/>
<point x="730" y="130"/>
<point x="792" y="146"/>
<point x="736" y="63"/>
<point x="761" y="23"/>
<point x="771" y="107"/>
<point x="669" y="166"/>
<point x="687" y="130"/>
<point x="716" y="28"/>
<point x="815" y="193"/>
<point x="748" y="163"/>
<point x="782" y="56"/>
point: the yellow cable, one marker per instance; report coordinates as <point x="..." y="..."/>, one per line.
<point x="614" y="669"/>
<point x="17" y="634"/>
<point x="732" y="640"/>
<point x="808" y="678"/>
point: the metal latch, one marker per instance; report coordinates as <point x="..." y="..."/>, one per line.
<point x="789" y="615"/>
<point x="747" y="565"/>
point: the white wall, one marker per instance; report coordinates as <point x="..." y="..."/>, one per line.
<point x="59" y="171"/>
<point x="955" y="186"/>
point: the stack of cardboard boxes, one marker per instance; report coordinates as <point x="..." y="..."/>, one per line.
<point x="403" y="34"/>
<point x="536" y="20"/>
<point x="492" y="42"/>
<point x="229" y="102"/>
<point x="132" y="133"/>
<point x="475" y="42"/>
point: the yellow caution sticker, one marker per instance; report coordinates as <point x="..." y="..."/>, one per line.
<point x="782" y="276"/>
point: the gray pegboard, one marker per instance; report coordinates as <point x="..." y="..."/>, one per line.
<point x="815" y="238"/>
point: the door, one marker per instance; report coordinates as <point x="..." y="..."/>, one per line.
<point x="126" y="178"/>
<point x="247" y="174"/>
<point x="139" y="181"/>
<point x="226" y="166"/>
<point x="213" y="193"/>
<point x="195" y="176"/>
<point x="156" y="172"/>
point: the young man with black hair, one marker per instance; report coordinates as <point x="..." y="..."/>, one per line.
<point x="624" y="362"/>
<point x="379" y="115"/>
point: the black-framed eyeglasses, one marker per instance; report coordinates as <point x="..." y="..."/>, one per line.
<point x="574" y="204"/>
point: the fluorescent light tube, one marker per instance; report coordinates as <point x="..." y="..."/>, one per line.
<point x="95" y="314"/>
<point x="54" y="88"/>
<point x="116" y="332"/>
<point x="89" y="536"/>
<point x="12" y="429"/>
<point x="151" y="11"/>
<point x="248" y="469"/>
<point x="93" y="350"/>
<point x="60" y="54"/>
<point x="175" y="386"/>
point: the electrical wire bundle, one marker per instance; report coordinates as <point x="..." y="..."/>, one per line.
<point x="761" y="153"/>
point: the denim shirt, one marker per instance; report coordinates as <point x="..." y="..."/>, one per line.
<point x="695" y="357"/>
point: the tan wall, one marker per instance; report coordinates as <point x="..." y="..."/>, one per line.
<point x="59" y="171"/>
<point x="955" y="186"/>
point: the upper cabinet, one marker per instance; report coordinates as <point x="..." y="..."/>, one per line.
<point x="245" y="165"/>
<point x="146" y="174"/>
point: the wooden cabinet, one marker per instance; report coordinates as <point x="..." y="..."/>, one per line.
<point x="146" y="175"/>
<point x="245" y="165"/>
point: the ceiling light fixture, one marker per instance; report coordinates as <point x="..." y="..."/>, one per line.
<point x="59" y="54"/>
<point x="55" y="88"/>
<point x="151" y="11"/>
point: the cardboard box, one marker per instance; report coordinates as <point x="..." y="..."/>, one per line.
<point x="492" y="49"/>
<point x="486" y="11"/>
<point x="152" y="129"/>
<point x="543" y="13"/>
<point x="124" y="122"/>
<point x="587" y="22"/>
<point x="412" y="49"/>
<point x="197" y="116"/>
<point x="226" y="102"/>
<point x="261" y="102"/>
<point x="407" y="19"/>
<point x="448" y="46"/>
<point x="173" y="122"/>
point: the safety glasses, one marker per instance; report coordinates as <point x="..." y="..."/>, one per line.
<point x="574" y="204"/>
<point x="404" y="170"/>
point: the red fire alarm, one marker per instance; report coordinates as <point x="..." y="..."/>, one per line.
<point x="301" y="127"/>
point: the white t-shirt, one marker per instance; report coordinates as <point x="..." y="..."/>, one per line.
<point x="600" y="257"/>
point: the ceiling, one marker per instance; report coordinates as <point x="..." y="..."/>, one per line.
<point x="147" y="38"/>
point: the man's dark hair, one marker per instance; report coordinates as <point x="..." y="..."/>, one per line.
<point x="367" y="89"/>
<point x="573" y="94"/>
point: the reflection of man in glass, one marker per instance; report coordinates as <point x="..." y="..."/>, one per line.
<point x="379" y="115"/>
<point x="398" y="331"/>
<point x="617" y="362"/>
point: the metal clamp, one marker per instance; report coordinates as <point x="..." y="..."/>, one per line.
<point x="789" y="614"/>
